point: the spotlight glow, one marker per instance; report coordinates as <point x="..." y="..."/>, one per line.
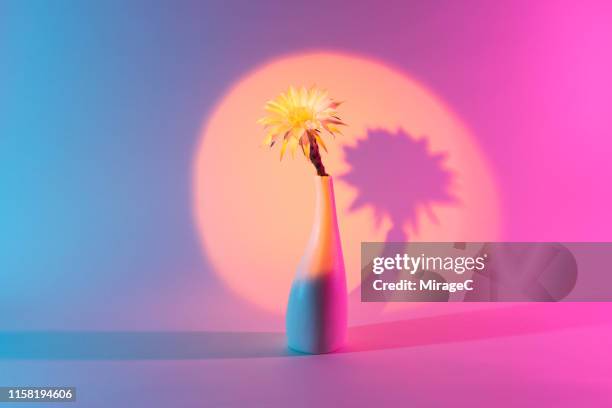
<point x="254" y="213"/>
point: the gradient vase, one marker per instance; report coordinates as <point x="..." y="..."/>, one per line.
<point x="317" y="308"/>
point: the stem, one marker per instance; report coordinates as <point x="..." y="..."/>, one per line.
<point x="315" y="156"/>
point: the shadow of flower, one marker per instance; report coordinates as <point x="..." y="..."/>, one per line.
<point x="396" y="175"/>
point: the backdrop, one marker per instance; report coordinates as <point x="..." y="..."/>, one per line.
<point x="104" y="112"/>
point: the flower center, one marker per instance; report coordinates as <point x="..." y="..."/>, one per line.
<point x="299" y="116"/>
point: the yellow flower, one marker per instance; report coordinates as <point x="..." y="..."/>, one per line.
<point x="298" y="118"/>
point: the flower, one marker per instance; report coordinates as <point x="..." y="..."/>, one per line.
<point x="298" y="118"/>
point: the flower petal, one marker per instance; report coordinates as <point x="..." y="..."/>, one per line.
<point x="282" y="152"/>
<point x="320" y="141"/>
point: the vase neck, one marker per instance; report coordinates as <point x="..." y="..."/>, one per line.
<point x="325" y="207"/>
<point x="323" y="255"/>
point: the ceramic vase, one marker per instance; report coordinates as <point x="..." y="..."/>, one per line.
<point x="317" y="308"/>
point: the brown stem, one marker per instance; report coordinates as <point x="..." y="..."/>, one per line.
<point x="315" y="156"/>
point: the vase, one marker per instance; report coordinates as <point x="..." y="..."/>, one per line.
<point x="317" y="309"/>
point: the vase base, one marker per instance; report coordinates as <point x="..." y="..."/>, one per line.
<point x="314" y="351"/>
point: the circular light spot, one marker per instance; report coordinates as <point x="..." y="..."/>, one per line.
<point x="254" y="213"/>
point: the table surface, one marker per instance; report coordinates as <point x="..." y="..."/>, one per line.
<point x="509" y="355"/>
